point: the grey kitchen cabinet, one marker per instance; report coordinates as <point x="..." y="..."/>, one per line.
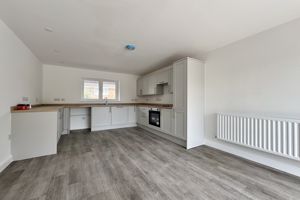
<point x="119" y="115"/>
<point x="111" y="117"/>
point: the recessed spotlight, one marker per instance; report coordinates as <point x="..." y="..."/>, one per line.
<point x="48" y="29"/>
<point x="130" y="47"/>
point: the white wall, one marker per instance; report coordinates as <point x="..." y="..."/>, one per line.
<point x="65" y="83"/>
<point x="259" y="74"/>
<point x="20" y="76"/>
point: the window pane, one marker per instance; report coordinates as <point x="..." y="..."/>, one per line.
<point x="109" y="90"/>
<point x="91" y="90"/>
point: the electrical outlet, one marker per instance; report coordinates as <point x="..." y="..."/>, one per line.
<point x="62" y="99"/>
<point x="56" y="99"/>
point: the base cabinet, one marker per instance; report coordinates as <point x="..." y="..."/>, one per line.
<point x="101" y="117"/>
<point x="167" y="121"/>
<point x="119" y="115"/>
<point x="104" y="118"/>
<point x="179" y="125"/>
<point x="35" y="134"/>
<point x="132" y="114"/>
<point x="80" y="118"/>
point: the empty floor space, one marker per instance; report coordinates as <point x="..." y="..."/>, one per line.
<point x="134" y="164"/>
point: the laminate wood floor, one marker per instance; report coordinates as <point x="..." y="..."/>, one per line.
<point x="134" y="164"/>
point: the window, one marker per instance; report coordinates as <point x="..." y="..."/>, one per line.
<point x="91" y="90"/>
<point x="109" y="90"/>
<point x="96" y="90"/>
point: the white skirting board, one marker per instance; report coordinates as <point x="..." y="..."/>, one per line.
<point x="276" y="162"/>
<point x="164" y="135"/>
<point x="102" y="128"/>
<point x="5" y="163"/>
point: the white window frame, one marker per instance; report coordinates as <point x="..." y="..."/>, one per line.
<point x="100" y="99"/>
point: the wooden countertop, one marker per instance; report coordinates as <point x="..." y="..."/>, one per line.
<point x="39" y="108"/>
<point x="56" y="107"/>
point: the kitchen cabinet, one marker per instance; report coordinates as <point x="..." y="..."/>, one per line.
<point x="132" y="114"/>
<point x="167" y="121"/>
<point x="60" y="123"/>
<point x="139" y="88"/>
<point x="185" y="122"/>
<point x="163" y="76"/>
<point x="179" y="99"/>
<point x="147" y="85"/>
<point x="80" y="118"/>
<point x="111" y="117"/>
<point x="188" y="101"/>
<point x="79" y="122"/>
<point x="66" y="121"/>
<point x="101" y="117"/>
<point x="119" y="115"/>
<point x="35" y="134"/>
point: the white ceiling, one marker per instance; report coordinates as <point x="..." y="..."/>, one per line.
<point x="93" y="33"/>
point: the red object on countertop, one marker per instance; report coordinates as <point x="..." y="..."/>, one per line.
<point x="23" y="106"/>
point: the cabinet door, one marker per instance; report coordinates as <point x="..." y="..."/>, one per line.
<point x="119" y="115"/>
<point x="166" y="121"/>
<point x="139" y="87"/>
<point x="132" y="114"/>
<point x="79" y="122"/>
<point x="152" y="84"/>
<point x="149" y="85"/>
<point x="179" y="125"/>
<point x="59" y="123"/>
<point x="179" y="85"/>
<point x="66" y="120"/>
<point x="145" y="85"/>
<point x="163" y="77"/>
<point x="179" y="98"/>
<point x="170" y="84"/>
<point x="101" y="116"/>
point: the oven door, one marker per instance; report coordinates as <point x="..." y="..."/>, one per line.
<point x="154" y="118"/>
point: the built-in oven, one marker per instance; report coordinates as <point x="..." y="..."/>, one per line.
<point x="154" y="117"/>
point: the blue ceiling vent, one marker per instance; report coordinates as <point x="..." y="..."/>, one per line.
<point x="130" y="47"/>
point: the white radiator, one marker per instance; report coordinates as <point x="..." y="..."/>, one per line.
<point x="273" y="135"/>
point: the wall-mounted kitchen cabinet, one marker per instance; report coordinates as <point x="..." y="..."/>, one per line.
<point x="152" y="84"/>
<point x="163" y="76"/>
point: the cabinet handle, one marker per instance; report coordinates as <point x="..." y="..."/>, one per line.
<point x="110" y="109"/>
